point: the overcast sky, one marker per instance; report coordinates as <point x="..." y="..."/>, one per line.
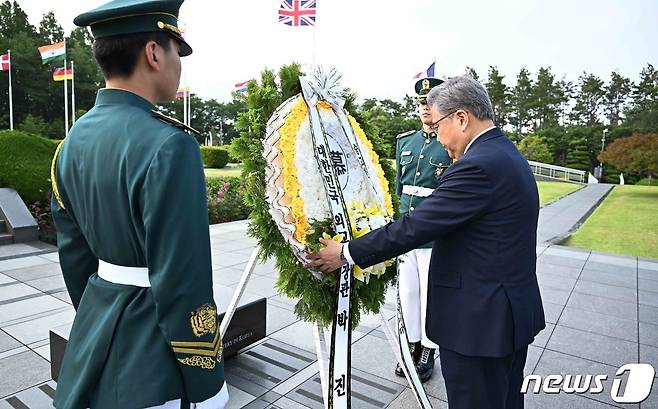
<point x="379" y="45"/>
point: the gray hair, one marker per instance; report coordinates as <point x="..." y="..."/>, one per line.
<point x="462" y="92"/>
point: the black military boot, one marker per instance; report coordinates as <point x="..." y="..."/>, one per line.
<point x="414" y="348"/>
<point x="425" y="366"/>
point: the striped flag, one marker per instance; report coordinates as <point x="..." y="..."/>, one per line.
<point x="4" y="62"/>
<point x="183" y="92"/>
<point x="53" y="52"/>
<point x="60" y="75"/>
<point x="429" y="72"/>
<point x="241" y="87"/>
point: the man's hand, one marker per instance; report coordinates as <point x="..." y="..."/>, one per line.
<point x="328" y="259"/>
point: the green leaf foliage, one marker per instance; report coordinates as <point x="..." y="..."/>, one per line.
<point x="25" y="164"/>
<point x="214" y="156"/>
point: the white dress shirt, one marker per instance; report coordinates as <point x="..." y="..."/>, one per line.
<point x="477" y="136"/>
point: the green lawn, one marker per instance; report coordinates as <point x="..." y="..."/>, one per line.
<point x="625" y="223"/>
<point x="232" y="169"/>
<point x="551" y="191"/>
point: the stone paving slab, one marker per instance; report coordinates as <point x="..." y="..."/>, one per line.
<point x="601" y="312"/>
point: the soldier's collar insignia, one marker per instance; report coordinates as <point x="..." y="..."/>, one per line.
<point x="173" y="121"/>
<point x="403" y="134"/>
<point x="204" y="320"/>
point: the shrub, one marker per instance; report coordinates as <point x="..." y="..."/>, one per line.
<point x="226" y="200"/>
<point x="647" y="182"/>
<point x="232" y="157"/>
<point x="25" y="164"/>
<point x="214" y="156"/>
<point x="533" y="148"/>
<point x="43" y="215"/>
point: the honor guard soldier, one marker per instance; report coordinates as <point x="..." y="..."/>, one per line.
<point x="421" y="160"/>
<point x="130" y="207"/>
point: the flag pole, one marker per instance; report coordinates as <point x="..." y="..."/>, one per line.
<point x="315" y="27"/>
<point x="11" y="103"/>
<point x="72" y="91"/>
<point x="66" y="97"/>
<point x="184" y="106"/>
<point x="189" y="108"/>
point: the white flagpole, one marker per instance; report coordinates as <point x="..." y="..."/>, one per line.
<point x="11" y="102"/>
<point x="315" y="27"/>
<point x="184" y="106"/>
<point x="72" y="92"/>
<point x="189" y="107"/>
<point x="66" y="97"/>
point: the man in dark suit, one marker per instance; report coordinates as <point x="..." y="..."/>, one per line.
<point x="484" y="307"/>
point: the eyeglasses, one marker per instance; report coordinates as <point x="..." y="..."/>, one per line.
<point x="435" y="126"/>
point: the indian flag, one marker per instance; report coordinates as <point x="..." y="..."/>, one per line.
<point x="53" y="52"/>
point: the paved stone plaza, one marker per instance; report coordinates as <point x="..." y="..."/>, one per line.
<point x="601" y="312"/>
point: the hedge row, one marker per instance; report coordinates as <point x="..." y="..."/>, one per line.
<point x="25" y="164"/>
<point x="215" y="157"/>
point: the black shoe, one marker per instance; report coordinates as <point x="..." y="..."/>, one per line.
<point x="425" y="366"/>
<point x="414" y="348"/>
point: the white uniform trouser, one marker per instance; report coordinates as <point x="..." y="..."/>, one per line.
<point x="414" y="269"/>
<point x="139" y="277"/>
<point x="218" y="401"/>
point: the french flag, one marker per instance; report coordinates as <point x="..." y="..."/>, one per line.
<point x="429" y="72"/>
<point x="241" y="87"/>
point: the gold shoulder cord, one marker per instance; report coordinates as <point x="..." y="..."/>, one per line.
<point x="53" y="181"/>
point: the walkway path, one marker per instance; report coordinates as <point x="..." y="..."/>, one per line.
<point x="557" y="219"/>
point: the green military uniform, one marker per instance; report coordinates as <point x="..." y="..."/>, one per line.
<point x="421" y="160"/>
<point x="129" y="190"/>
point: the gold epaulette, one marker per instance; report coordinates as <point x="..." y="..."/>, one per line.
<point x="53" y="179"/>
<point x="403" y="134"/>
<point x="173" y="121"/>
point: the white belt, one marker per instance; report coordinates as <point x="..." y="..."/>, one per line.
<point x="418" y="191"/>
<point x="137" y="276"/>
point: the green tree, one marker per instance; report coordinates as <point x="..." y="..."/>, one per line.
<point x="522" y="103"/>
<point x="566" y="94"/>
<point x="644" y="110"/>
<point x="533" y="148"/>
<point x="13" y="20"/>
<point x="88" y="77"/>
<point x="616" y="97"/>
<point x="33" y="125"/>
<point x="389" y="119"/>
<point x="579" y="154"/>
<point x="557" y="140"/>
<point x="500" y="96"/>
<point x="49" y="29"/>
<point x="588" y="100"/>
<point x="546" y="99"/>
<point x="471" y="71"/>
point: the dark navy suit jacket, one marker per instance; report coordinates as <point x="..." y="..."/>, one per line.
<point x="483" y="298"/>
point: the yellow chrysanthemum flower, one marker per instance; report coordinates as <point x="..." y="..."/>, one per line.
<point x="291" y="185"/>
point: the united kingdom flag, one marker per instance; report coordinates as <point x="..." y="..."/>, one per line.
<point x="297" y="12"/>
